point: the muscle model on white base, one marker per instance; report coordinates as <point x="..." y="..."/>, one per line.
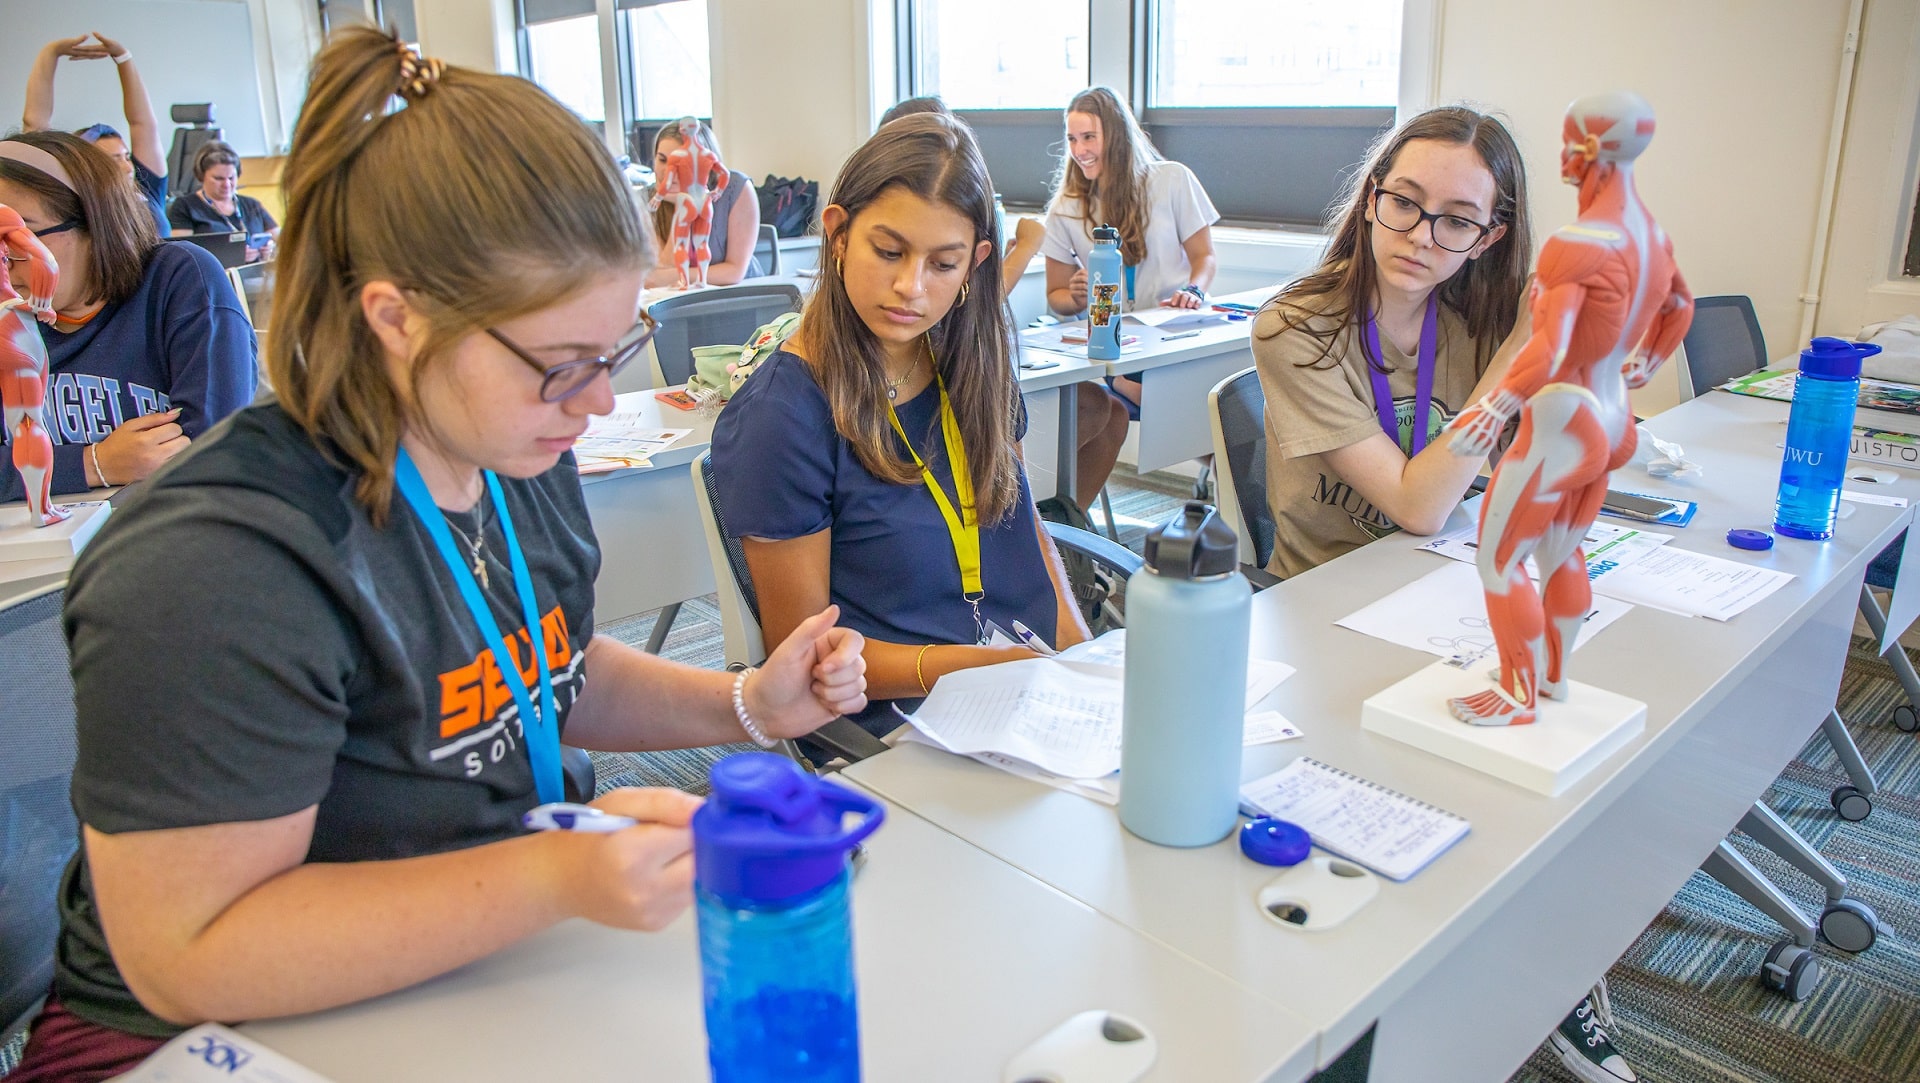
<point x="23" y="362"/>
<point x="1609" y="306"/>
<point x="685" y="186"/>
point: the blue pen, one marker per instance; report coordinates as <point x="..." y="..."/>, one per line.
<point x="567" y="816"/>
<point x="1034" y="642"/>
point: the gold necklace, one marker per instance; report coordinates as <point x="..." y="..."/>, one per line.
<point x="893" y="386"/>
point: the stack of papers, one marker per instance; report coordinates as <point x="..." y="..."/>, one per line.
<point x="1444" y="613"/>
<point x="620" y="442"/>
<point x="1058" y="720"/>
<point x="1636" y="566"/>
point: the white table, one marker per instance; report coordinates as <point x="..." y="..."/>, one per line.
<point x="1482" y="953"/>
<point x="653" y="552"/>
<point x="962" y="962"/>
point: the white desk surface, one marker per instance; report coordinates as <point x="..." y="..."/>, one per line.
<point x="652" y="550"/>
<point x="962" y="962"/>
<point x="1545" y="892"/>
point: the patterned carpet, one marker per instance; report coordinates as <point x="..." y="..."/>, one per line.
<point x="1690" y="1007"/>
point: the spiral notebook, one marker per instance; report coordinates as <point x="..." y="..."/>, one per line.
<point x="1364" y="822"/>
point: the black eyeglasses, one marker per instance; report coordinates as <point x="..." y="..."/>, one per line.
<point x="569" y="378"/>
<point x="58" y="227"/>
<point x="1403" y="215"/>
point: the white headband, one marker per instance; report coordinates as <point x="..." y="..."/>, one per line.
<point x="27" y="154"/>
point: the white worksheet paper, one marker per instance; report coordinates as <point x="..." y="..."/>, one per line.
<point x="1444" y="613"/>
<point x="618" y="441"/>
<point x="1056" y="717"/>
<point x="1603" y="542"/>
<point x="1692" y="584"/>
<point x="1263" y="675"/>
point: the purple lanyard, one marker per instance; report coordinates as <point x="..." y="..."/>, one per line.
<point x="1423" y="382"/>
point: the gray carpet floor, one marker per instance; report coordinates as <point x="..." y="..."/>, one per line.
<point x="1690" y="1007"/>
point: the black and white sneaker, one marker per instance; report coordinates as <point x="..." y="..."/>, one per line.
<point x="1582" y="1044"/>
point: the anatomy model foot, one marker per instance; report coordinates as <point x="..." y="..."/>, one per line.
<point x="1490" y="708"/>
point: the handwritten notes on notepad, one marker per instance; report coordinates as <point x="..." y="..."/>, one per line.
<point x="1364" y="822"/>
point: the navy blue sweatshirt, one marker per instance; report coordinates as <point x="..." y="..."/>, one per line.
<point x="180" y="340"/>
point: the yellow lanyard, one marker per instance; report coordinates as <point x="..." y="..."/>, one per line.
<point x="964" y="526"/>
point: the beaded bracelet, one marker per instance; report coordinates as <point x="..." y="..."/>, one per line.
<point x="93" y="452"/>
<point x="740" y="709"/>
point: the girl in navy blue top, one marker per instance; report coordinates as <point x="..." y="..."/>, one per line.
<point x="837" y="461"/>
<point x="150" y="347"/>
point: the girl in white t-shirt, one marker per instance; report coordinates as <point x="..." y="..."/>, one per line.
<point x="1112" y="175"/>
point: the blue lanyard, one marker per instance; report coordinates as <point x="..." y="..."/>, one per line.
<point x="1129" y="269"/>
<point x="540" y="728"/>
<point x="1423" y="381"/>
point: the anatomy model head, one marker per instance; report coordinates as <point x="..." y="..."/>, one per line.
<point x="1613" y="128"/>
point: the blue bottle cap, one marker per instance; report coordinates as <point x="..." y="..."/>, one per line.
<point x="772" y="832"/>
<point x="1741" y="538"/>
<point x="1272" y="841"/>
<point x="1835" y="358"/>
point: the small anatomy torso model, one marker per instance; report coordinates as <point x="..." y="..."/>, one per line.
<point x="1609" y="306"/>
<point x="686" y="186"/>
<point x="23" y="362"/>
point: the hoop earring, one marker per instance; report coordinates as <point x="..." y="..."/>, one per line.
<point x="964" y="288"/>
<point x="838" y="270"/>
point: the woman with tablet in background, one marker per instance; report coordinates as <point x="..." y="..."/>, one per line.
<point x="216" y="206"/>
<point x="1111" y="174"/>
<point x="874" y="462"/>
<point x="322" y="665"/>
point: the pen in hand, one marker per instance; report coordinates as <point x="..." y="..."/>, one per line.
<point x="1033" y="642"/>
<point x="567" y="816"/>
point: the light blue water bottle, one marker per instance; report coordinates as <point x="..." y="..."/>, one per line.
<point x="1188" y="613"/>
<point x="1819" y="433"/>
<point x="1104" y="277"/>
<point x="1000" y="223"/>
<point x="776" y="936"/>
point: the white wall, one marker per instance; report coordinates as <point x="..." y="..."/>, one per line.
<point x="187" y="51"/>
<point x="1743" y="90"/>
<point x="1877" y="177"/>
<point x="792" y="92"/>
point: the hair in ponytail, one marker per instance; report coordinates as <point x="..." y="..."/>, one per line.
<point x="477" y="193"/>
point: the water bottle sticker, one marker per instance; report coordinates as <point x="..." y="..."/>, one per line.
<point x="1106" y="303"/>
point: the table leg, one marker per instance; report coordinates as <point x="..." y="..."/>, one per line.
<point x="661" y="626"/>
<point x="1067" y="468"/>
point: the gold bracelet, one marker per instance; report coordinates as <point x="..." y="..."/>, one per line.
<point x="918" y="674"/>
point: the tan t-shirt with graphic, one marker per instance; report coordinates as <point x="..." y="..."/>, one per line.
<point x="1319" y="404"/>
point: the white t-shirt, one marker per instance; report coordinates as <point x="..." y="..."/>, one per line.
<point x="1177" y="208"/>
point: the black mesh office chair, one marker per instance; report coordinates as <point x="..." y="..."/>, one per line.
<point x="766" y="250"/>
<point x="187" y="141"/>
<point x="38" y="832"/>
<point x="1237" y="411"/>
<point x="1723" y="341"/>
<point x="719" y="315"/>
<point x="740" y="609"/>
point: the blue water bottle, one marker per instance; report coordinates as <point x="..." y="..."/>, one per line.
<point x="1819" y="434"/>
<point x="776" y="937"/>
<point x="1000" y="223"/>
<point x="1104" y="277"/>
<point x="1184" y="711"/>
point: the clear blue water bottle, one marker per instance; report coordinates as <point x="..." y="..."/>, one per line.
<point x="1000" y="223"/>
<point x="771" y="872"/>
<point x="1819" y="433"/>
<point x="1105" y="276"/>
<point x="1185" y="686"/>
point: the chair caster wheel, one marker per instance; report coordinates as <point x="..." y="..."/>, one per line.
<point x="1790" y="970"/>
<point x="1905" y="720"/>
<point x="1852" y="805"/>
<point x="1849" y="925"/>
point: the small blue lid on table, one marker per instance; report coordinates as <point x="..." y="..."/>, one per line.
<point x="1273" y="841"/>
<point x="1756" y="540"/>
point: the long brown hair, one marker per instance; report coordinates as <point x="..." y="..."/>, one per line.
<point x="120" y="231"/>
<point x="1486" y="292"/>
<point x="1127" y="156"/>
<point x="935" y="158"/>
<point x="482" y="197"/>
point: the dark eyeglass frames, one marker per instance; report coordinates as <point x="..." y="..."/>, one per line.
<point x="1403" y="215"/>
<point x="58" y="227"/>
<point x="569" y="378"/>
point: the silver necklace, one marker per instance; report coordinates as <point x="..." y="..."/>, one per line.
<point x="476" y="542"/>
